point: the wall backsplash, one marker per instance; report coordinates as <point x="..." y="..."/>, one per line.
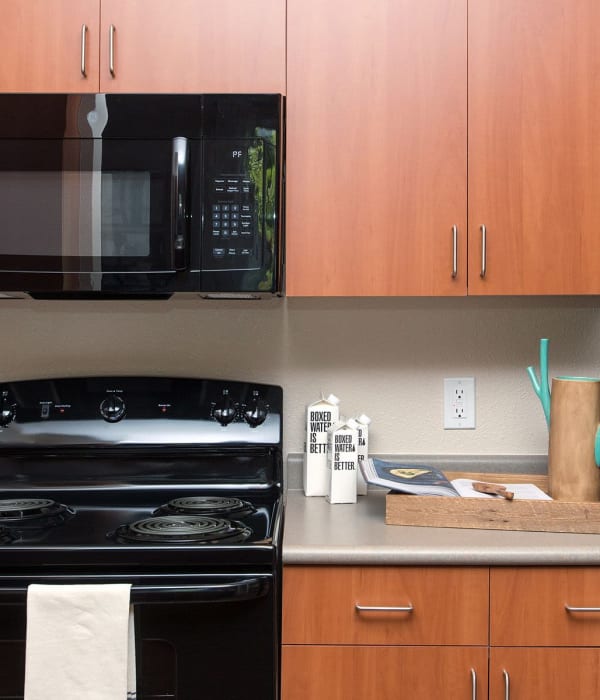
<point x="383" y="357"/>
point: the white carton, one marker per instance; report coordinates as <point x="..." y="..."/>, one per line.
<point x="320" y="416"/>
<point x="362" y="426"/>
<point x="342" y="463"/>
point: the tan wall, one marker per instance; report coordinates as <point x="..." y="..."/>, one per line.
<point x="383" y="357"/>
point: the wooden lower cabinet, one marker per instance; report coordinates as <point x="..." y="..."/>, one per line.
<point x="552" y="673"/>
<point x="383" y="672"/>
<point x="385" y="632"/>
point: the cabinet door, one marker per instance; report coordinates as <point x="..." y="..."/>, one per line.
<point x="376" y="147"/>
<point x="385" y="673"/>
<point x="551" y="674"/>
<point x="190" y="46"/>
<point x="534" y="168"/>
<point x="49" y="46"/>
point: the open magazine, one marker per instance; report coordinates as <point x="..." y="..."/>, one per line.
<point x="423" y="480"/>
<point x="407" y="478"/>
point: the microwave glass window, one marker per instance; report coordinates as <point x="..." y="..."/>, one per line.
<point x="97" y="205"/>
<point x="125" y="214"/>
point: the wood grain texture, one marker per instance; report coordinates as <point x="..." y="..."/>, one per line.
<point x="387" y="673"/>
<point x="450" y="605"/>
<point x="575" y="415"/>
<point x="551" y="674"/>
<point x="189" y="46"/>
<point x="492" y="514"/>
<point x="534" y="162"/>
<point x="41" y="45"/>
<point x="528" y="607"/>
<point x="376" y="147"/>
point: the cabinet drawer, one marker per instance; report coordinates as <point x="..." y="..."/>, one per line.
<point x="443" y="606"/>
<point x="529" y="606"/>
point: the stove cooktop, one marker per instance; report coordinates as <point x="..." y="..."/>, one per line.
<point x="99" y="529"/>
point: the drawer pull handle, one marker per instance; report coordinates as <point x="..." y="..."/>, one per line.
<point x="384" y="608"/>
<point x="571" y="609"/>
<point x="473" y="684"/>
<point x="506" y="684"/>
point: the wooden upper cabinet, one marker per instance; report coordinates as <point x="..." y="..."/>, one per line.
<point x="534" y="146"/>
<point x="42" y="44"/>
<point x="193" y="46"/>
<point x="376" y="147"/>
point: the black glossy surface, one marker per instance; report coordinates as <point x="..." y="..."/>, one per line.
<point x="235" y="139"/>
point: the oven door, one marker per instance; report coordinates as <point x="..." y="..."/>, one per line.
<point x="91" y="214"/>
<point x="198" y="636"/>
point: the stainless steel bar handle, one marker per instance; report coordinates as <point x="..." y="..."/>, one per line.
<point x="571" y="609"/>
<point x="111" y="49"/>
<point x="473" y="684"/>
<point x="384" y="608"/>
<point x="506" y="684"/>
<point x="483" y="250"/>
<point x="454" y="251"/>
<point x="83" y="49"/>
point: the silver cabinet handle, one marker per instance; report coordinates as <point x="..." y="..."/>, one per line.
<point x="473" y="684"/>
<point x="483" y="250"/>
<point x="454" y="251"/>
<point x="506" y="684"/>
<point x="384" y="608"/>
<point x="571" y="609"/>
<point x="83" y="48"/>
<point x="111" y="49"/>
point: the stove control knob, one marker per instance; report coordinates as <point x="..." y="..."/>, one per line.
<point x="256" y="411"/>
<point x="225" y="410"/>
<point x="112" y="409"/>
<point x="7" y="410"/>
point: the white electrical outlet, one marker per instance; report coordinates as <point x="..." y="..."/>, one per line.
<point x="459" y="403"/>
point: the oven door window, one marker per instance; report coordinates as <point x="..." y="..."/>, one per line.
<point x="88" y="205"/>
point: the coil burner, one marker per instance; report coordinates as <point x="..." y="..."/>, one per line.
<point x="183" y="529"/>
<point x="33" y="512"/>
<point x="207" y="505"/>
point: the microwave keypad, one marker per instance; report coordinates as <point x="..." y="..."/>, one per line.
<point x="232" y="220"/>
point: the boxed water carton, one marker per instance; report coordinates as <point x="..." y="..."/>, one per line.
<point x="320" y="416"/>
<point x="361" y="424"/>
<point x="342" y="462"/>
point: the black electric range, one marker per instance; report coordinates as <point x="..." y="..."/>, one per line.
<point x="174" y="485"/>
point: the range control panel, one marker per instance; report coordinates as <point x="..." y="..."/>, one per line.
<point x="233" y="211"/>
<point x="139" y="410"/>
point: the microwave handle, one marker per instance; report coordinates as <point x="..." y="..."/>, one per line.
<point x="178" y="200"/>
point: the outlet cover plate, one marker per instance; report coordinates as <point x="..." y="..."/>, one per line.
<point x="459" y="403"/>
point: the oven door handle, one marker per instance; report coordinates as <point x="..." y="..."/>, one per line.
<point x="247" y="588"/>
<point x="244" y="589"/>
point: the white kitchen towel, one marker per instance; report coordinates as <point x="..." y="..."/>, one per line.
<point x="80" y="643"/>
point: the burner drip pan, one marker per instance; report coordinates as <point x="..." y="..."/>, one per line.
<point x="32" y="512"/>
<point x="183" y="529"/>
<point x="223" y="506"/>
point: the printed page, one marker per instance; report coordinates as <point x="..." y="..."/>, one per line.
<point x="521" y="491"/>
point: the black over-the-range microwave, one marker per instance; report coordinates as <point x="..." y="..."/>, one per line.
<point x="109" y="195"/>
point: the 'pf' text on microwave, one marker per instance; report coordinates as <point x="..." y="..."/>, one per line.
<point x="141" y="195"/>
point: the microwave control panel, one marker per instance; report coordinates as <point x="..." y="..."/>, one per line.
<point x="232" y="233"/>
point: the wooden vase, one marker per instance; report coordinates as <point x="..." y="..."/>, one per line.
<point x="574" y="416"/>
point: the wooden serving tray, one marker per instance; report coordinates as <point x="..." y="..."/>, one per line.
<point x="493" y="513"/>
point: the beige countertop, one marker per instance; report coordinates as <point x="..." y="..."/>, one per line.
<point x="317" y="532"/>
